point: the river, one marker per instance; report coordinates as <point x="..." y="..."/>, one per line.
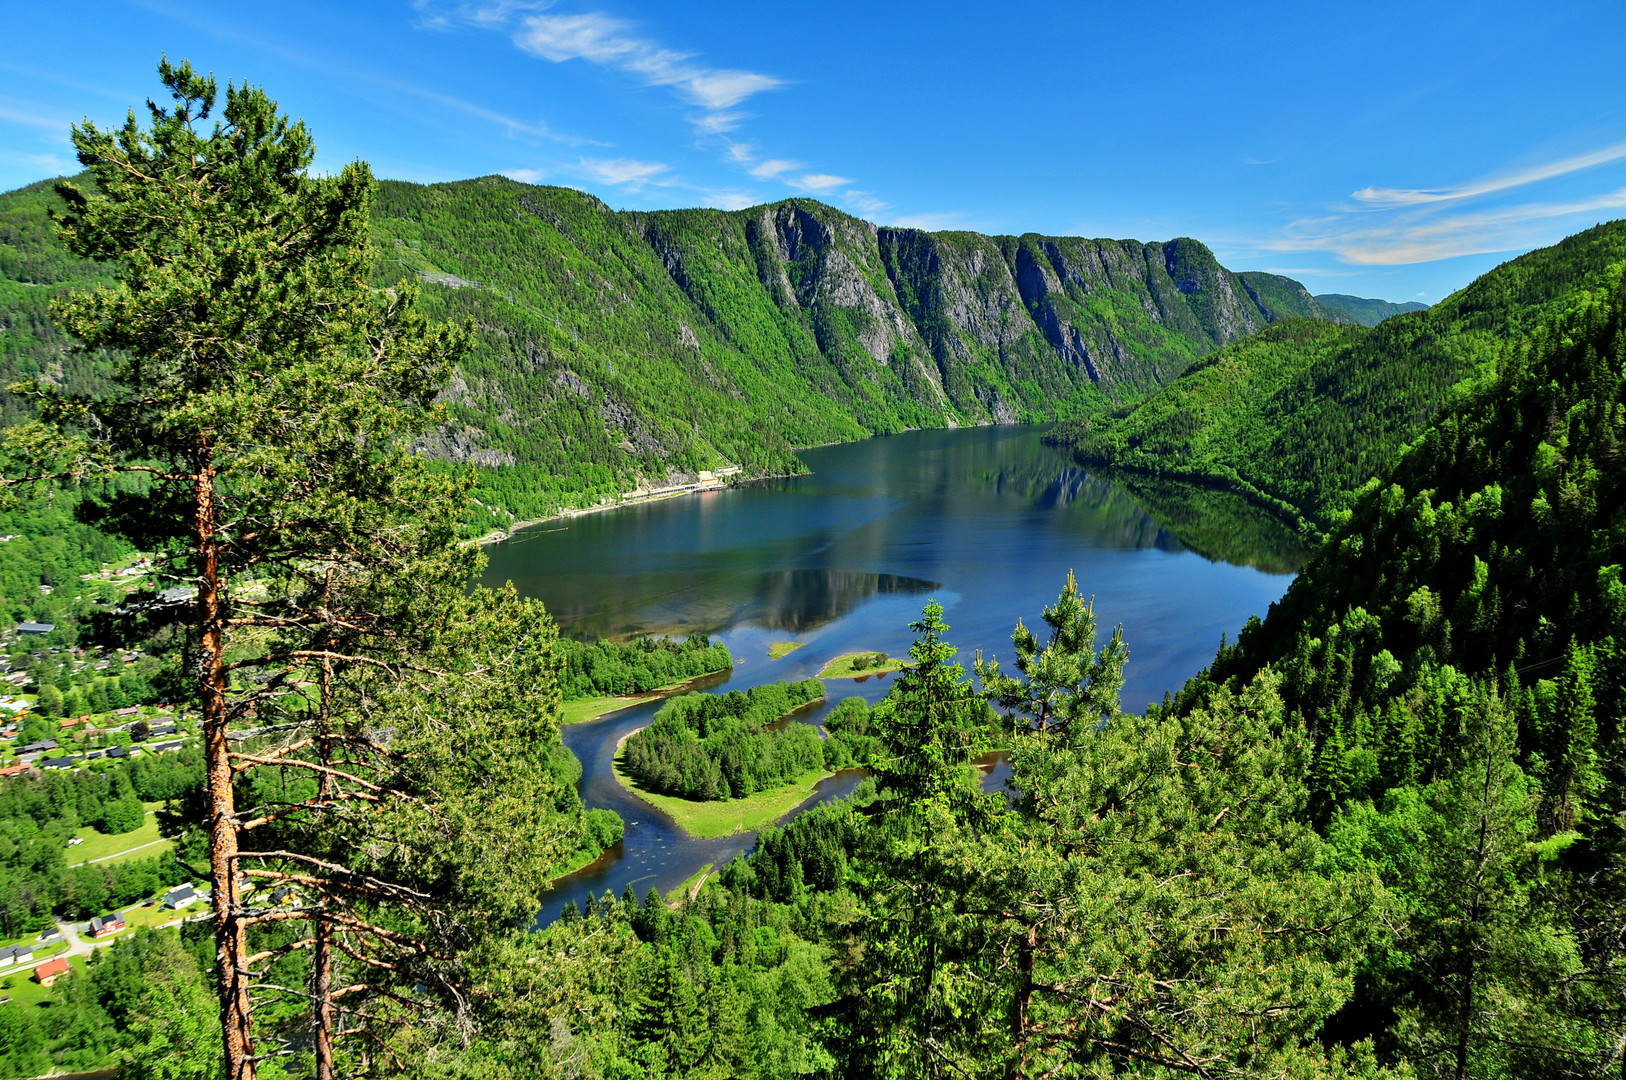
<point x="986" y="520"/>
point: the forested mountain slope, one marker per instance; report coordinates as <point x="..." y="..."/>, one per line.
<point x="1364" y="311"/>
<point x="1456" y="651"/>
<point x="1303" y="413"/>
<point x="618" y="349"/>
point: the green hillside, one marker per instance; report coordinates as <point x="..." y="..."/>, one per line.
<point x="1305" y="412"/>
<point x="1361" y="310"/>
<point x="1456" y="652"/>
<point x="618" y="350"/>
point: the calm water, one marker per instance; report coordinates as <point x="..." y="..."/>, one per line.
<point x="987" y="520"/>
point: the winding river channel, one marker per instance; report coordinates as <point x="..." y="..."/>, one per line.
<point x="987" y="520"/>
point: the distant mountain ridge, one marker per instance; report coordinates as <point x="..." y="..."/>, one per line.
<point x="623" y="348"/>
<point x="1364" y="311"/>
<point x="1303" y="413"/>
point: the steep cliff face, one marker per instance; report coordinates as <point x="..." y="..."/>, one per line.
<point x="654" y="344"/>
<point x="617" y="349"/>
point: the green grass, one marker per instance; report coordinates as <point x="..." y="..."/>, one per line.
<point x="710" y="819"/>
<point x="118" y="848"/>
<point x="99" y="844"/>
<point x="842" y="666"/>
<point x="780" y="649"/>
<point x="689" y="886"/>
<point x="25" y="991"/>
<point x="137" y="917"/>
<point x="579" y="712"/>
<point x="573" y="864"/>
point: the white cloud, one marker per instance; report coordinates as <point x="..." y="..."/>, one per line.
<point x="730" y="200"/>
<point x="526" y="176"/>
<point x="865" y="203"/>
<point x="817" y="183"/>
<point x="717" y="123"/>
<point x="930" y="222"/>
<point x="1488" y="185"/>
<point x="623" y="171"/>
<point x="766" y="170"/>
<point x="1418" y="236"/>
<point x="600" y="39"/>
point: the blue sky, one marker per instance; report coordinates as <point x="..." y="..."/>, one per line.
<point x="1397" y="150"/>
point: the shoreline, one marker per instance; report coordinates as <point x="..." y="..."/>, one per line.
<point x="627" y="701"/>
<point x="632" y="498"/>
<point x="624" y="499"/>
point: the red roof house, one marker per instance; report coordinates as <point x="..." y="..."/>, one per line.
<point x="52" y="970"/>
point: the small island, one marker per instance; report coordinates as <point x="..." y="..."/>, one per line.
<point x="603" y="676"/>
<point x="778" y="650"/>
<point x="721" y="764"/>
<point x="856" y="665"/>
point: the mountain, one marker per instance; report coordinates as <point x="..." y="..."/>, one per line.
<point x="617" y="349"/>
<point x="1298" y="415"/>
<point x="1345" y="308"/>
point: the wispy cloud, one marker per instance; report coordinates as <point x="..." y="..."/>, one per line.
<point x="623" y="172"/>
<point x="526" y="176"/>
<point x="767" y="170"/>
<point x="1415" y="237"/>
<point x="730" y="200"/>
<point x="600" y="39"/>
<point x="817" y="183"/>
<point x="930" y="222"/>
<point x="1392" y="197"/>
<point x="1393" y="226"/>
<point x="865" y="203"/>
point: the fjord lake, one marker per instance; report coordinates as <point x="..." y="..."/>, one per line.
<point x="988" y="521"/>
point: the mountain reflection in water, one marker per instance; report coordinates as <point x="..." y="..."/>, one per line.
<point x="988" y="520"/>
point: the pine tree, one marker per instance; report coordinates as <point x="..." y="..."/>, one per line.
<point x="365" y="723"/>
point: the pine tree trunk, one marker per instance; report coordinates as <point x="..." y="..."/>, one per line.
<point x="1025" y="948"/>
<point x="322" y="992"/>
<point x="231" y="935"/>
<point x="322" y="978"/>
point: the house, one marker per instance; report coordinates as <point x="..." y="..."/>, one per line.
<point x="15" y="770"/>
<point x="39" y="747"/>
<point x="180" y="896"/>
<point x="16" y="954"/>
<point x="52" y="970"/>
<point x="133" y="710"/>
<point x="106" y="925"/>
<point x="161" y="729"/>
<point x="38" y="629"/>
<point x="165" y="747"/>
<point x="60" y="762"/>
<point x="50" y="933"/>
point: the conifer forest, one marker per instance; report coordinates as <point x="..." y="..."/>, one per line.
<point x="259" y="414"/>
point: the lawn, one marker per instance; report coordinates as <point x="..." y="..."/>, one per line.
<point x="780" y="649"/>
<point x="99" y="845"/>
<point x="844" y="666"/>
<point x="691" y="886"/>
<point x="138" y="917"/>
<point x="579" y="712"/>
<point x="25" y="991"/>
<point x="710" y="819"/>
